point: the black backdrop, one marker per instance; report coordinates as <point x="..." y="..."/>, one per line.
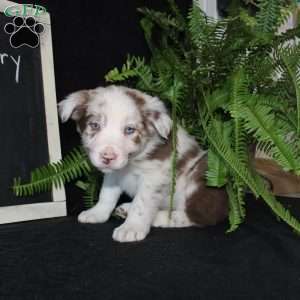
<point x="90" y="38"/>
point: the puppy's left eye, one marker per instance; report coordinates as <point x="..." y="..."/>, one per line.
<point x="129" y="130"/>
<point x="94" y="125"/>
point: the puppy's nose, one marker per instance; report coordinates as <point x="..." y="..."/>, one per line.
<point x="108" y="155"/>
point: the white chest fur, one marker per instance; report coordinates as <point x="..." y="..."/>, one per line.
<point x="129" y="183"/>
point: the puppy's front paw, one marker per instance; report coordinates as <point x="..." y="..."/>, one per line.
<point x="92" y="216"/>
<point x="130" y="233"/>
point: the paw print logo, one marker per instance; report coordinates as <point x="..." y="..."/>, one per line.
<point x="24" y="32"/>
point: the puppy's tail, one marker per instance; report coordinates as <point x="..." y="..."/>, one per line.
<point x="282" y="183"/>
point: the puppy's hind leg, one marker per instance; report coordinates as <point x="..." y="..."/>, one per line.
<point x="178" y="219"/>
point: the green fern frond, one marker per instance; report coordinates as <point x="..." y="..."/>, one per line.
<point x="218" y="99"/>
<point x="287" y="122"/>
<point x="261" y="123"/>
<point x="255" y="183"/>
<point x="216" y="175"/>
<point x="173" y="167"/>
<point x="239" y="95"/>
<point x="275" y="103"/>
<point x="147" y="26"/>
<point x="235" y="217"/>
<point x="290" y="56"/>
<point x="73" y="166"/>
<point x="115" y="75"/>
<point x="131" y="68"/>
<point x="91" y="195"/>
<point x="279" y="210"/>
<point x="239" y="170"/>
<point x="171" y="27"/>
<point x="236" y="134"/>
<point x="91" y="187"/>
<point x="174" y="95"/>
<point x="177" y="13"/>
<point x="164" y="20"/>
<point x="205" y="31"/>
<point x="135" y="67"/>
<point x="269" y="16"/>
<point x="198" y="27"/>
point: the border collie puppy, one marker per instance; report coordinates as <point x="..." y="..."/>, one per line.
<point x="127" y="135"/>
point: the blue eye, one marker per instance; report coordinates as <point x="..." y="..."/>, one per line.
<point x="94" y="125"/>
<point x="129" y="130"/>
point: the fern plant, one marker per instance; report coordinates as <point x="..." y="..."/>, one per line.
<point x="73" y="166"/>
<point x="232" y="83"/>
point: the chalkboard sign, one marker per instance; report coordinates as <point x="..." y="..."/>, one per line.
<point x="28" y="116"/>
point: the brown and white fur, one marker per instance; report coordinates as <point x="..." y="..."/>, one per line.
<point x="127" y="135"/>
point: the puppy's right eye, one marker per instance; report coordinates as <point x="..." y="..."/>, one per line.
<point x="94" y="125"/>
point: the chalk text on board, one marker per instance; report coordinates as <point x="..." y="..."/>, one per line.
<point x="6" y="59"/>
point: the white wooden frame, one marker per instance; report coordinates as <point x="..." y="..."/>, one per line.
<point x="56" y="208"/>
<point x="209" y="7"/>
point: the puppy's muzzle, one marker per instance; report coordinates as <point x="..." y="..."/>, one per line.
<point x="108" y="155"/>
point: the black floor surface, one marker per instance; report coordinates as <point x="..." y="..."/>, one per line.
<point x="61" y="259"/>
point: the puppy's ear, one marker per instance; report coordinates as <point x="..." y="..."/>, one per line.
<point x="158" y="116"/>
<point x="74" y="106"/>
<point x="153" y="110"/>
<point x="161" y="122"/>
